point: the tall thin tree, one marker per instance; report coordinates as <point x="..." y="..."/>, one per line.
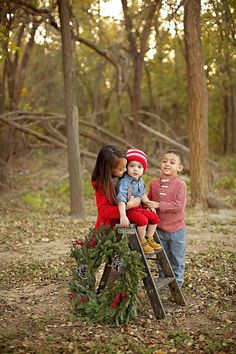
<point x="72" y="126"/>
<point x="138" y="47"/>
<point x="198" y="104"/>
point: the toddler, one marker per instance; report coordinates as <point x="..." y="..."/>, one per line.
<point x="132" y="184"/>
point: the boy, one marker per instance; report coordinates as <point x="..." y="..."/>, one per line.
<point x="168" y="195"/>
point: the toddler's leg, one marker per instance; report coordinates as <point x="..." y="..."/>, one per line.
<point x="141" y="232"/>
<point x="150" y="237"/>
<point x="147" y="249"/>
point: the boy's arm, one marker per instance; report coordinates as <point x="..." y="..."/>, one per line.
<point x="151" y="204"/>
<point x="124" y="221"/>
<point x="147" y="203"/>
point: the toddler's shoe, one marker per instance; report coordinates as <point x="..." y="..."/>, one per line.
<point x="147" y="249"/>
<point x="155" y="246"/>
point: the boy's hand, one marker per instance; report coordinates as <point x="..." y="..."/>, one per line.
<point x="124" y="221"/>
<point x="152" y="204"/>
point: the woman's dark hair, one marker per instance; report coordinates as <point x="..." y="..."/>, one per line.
<point x="177" y="153"/>
<point x="107" y="159"/>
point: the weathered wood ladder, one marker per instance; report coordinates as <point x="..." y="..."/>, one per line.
<point x="152" y="284"/>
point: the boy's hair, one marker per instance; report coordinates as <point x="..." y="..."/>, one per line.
<point x="177" y="153"/>
<point x="107" y="159"/>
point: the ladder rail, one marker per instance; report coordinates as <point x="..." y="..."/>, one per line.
<point x="148" y="281"/>
<point x="152" y="286"/>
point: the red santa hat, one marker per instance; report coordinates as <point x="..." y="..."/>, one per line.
<point x="134" y="154"/>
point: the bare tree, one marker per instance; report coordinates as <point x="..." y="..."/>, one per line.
<point x="72" y="125"/>
<point x="3" y="51"/>
<point x="138" y="47"/>
<point x="198" y="105"/>
<point x="22" y="26"/>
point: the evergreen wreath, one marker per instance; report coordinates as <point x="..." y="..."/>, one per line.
<point x="117" y="303"/>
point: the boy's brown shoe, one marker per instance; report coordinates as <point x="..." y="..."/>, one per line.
<point x="155" y="246"/>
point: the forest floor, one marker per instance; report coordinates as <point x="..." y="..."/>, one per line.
<point x="35" y="241"/>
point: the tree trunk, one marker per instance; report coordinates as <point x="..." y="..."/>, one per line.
<point x="72" y="126"/>
<point x="3" y="50"/>
<point x="198" y="105"/>
<point x="138" y="47"/>
<point x="226" y="132"/>
<point x="230" y="93"/>
<point x="233" y="121"/>
<point x="137" y="98"/>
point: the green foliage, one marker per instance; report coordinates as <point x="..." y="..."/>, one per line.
<point x="180" y="337"/>
<point x="59" y="189"/>
<point x="119" y="345"/>
<point x="34" y="200"/>
<point x="147" y="179"/>
<point x="62" y="189"/>
<point x="117" y="303"/>
<point x="219" y="54"/>
<point x="88" y="189"/>
<point x="45" y="91"/>
<point x="97" y="86"/>
<point x="3" y="37"/>
<point x="228" y="165"/>
<point x="215" y="346"/>
<point x="225" y="183"/>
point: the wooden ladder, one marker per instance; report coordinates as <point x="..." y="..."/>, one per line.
<point x="152" y="284"/>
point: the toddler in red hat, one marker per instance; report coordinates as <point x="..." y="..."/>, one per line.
<point x="132" y="184"/>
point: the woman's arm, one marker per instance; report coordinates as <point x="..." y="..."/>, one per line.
<point x="105" y="208"/>
<point x="133" y="202"/>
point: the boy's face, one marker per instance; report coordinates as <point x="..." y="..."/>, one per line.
<point x="135" y="169"/>
<point x="171" y="165"/>
<point x="120" y="169"/>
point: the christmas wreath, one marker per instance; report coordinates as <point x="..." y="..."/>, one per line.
<point x="117" y="303"/>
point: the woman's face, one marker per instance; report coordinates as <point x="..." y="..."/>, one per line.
<point x="120" y="169"/>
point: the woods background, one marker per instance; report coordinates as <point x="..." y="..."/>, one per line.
<point x="75" y="75"/>
<point x="150" y="74"/>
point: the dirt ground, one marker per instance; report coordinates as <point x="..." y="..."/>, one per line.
<point x="35" y="268"/>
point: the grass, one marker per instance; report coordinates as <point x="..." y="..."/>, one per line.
<point x="37" y="271"/>
<point x="53" y="197"/>
<point x="180" y="337"/>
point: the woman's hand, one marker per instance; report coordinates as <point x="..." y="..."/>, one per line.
<point x="133" y="202"/>
<point x="151" y="204"/>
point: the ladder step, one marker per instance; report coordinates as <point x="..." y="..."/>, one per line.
<point x="161" y="282"/>
<point x="153" y="255"/>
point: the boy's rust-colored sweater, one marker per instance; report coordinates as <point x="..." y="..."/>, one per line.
<point x="171" y="193"/>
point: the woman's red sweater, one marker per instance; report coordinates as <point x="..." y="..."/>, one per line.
<point x="108" y="214"/>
